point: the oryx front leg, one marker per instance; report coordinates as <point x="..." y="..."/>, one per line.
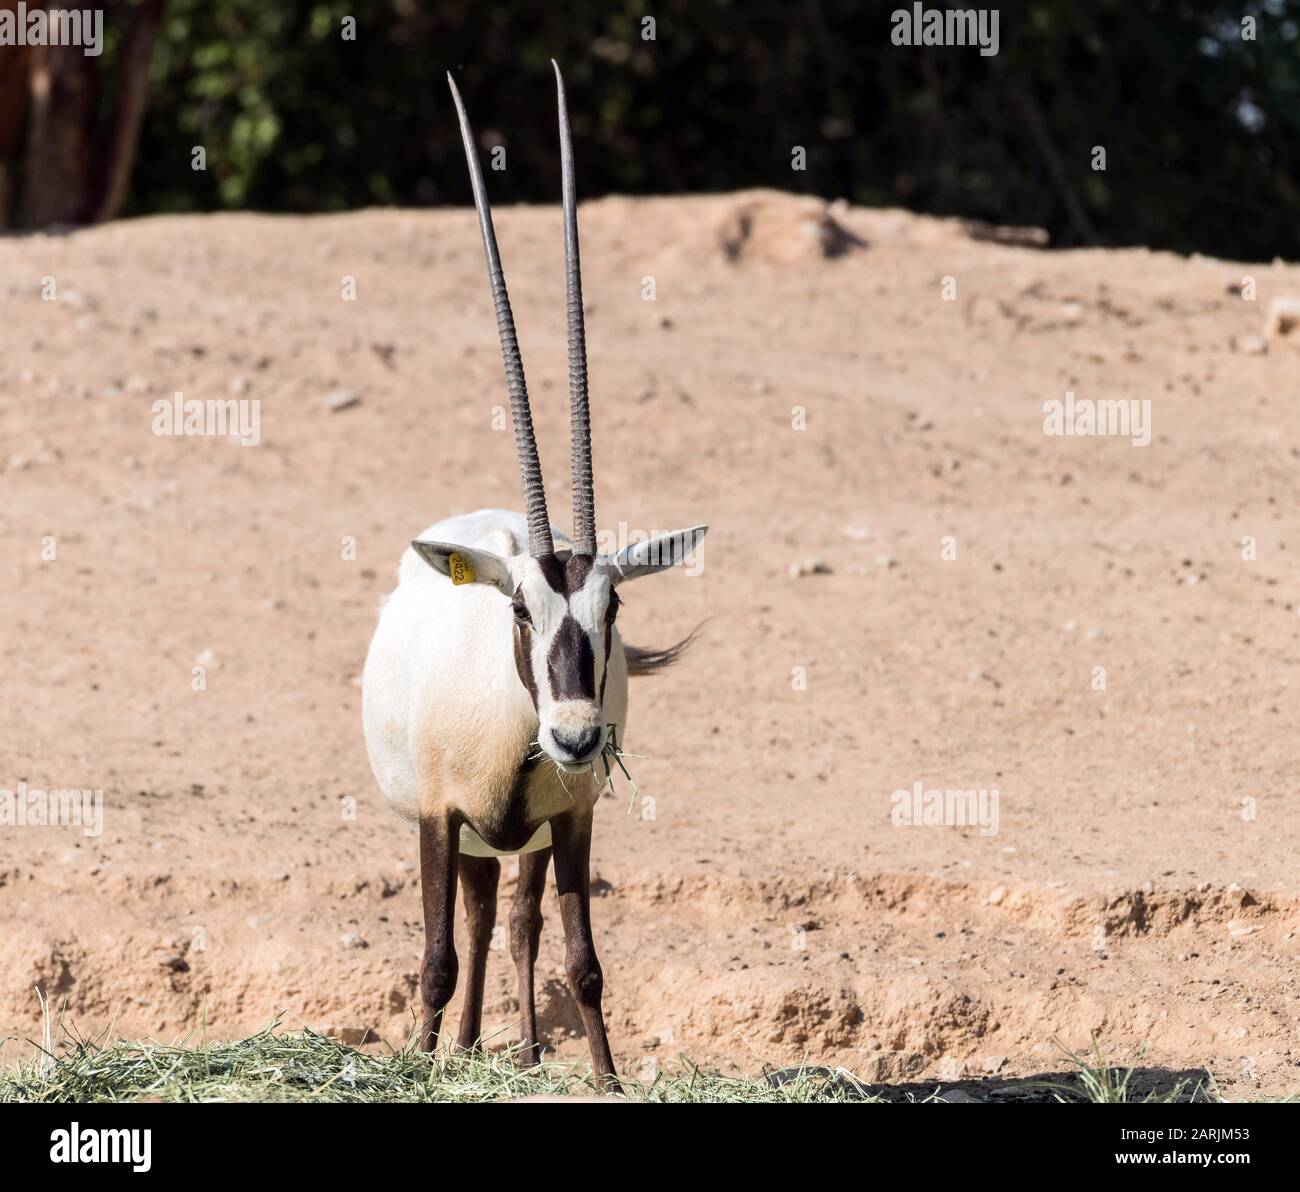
<point x="439" y="848"/>
<point x="571" y="843"/>
<point x="525" y="932"/>
<point x="478" y="881"/>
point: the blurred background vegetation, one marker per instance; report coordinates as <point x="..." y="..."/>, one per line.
<point x="1201" y="126"/>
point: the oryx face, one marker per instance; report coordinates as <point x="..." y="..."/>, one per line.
<point x="563" y="605"/>
<point x="564" y="610"/>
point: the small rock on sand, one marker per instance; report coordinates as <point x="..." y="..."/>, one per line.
<point x="809" y="567"/>
<point x="958" y="1097"/>
<point x="341" y="399"/>
<point x="1283" y="318"/>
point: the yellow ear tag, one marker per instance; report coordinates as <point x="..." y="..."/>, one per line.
<point x="462" y="570"/>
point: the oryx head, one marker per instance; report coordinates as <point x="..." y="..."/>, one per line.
<point x="564" y="602"/>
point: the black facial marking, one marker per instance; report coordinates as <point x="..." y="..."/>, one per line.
<point x="552" y="570"/>
<point x="524" y="658"/>
<point x="520" y="608"/>
<point x="604" y="674"/>
<point x="576" y="570"/>
<point x="570" y="665"/>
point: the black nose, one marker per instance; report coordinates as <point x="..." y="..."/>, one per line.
<point x="581" y="744"/>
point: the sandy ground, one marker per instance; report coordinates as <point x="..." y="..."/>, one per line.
<point x="758" y="905"/>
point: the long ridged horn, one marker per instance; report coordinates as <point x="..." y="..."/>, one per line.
<point x="530" y="467"/>
<point x="584" y="496"/>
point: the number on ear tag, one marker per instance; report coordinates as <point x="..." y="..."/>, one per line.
<point x="462" y="570"/>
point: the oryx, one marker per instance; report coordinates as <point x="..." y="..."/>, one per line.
<point x="492" y="683"/>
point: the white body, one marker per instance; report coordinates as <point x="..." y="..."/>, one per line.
<point x="448" y="720"/>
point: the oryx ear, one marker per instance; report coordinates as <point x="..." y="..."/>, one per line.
<point x="644" y="558"/>
<point x="465" y="565"/>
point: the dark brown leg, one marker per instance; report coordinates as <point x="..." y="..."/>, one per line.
<point x="525" y="931"/>
<point x="478" y="882"/>
<point x="439" y="847"/>
<point x="571" y="843"/>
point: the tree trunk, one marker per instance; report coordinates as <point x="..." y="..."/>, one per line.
<point x="14" y="84"/>
<point x="133" y="96"/>
<point x="58" y="169"/>
<point x="76" y="165"/>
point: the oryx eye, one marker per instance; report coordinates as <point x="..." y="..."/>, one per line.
<point x="520" y="610"/>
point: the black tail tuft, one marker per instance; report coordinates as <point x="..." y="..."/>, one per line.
<point x="641" y="661"/>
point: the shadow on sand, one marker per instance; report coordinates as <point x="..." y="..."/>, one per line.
<point x="1142" y="1084"/>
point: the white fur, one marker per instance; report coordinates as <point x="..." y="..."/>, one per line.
<point x="447" y="719"/>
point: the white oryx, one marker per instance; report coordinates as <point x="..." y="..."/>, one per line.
<point x="493" y="680"/>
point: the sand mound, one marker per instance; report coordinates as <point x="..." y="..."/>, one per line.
<point x="1104" y="633"/>
<point x="785" y="231"/>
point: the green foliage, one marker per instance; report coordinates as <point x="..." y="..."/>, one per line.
<point x="1201" y="128"/>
